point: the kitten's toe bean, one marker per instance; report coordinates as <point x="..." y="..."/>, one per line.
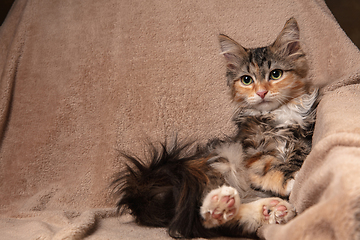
<point x="273" y="203"/>
<point x="220" y="206"/>
<point x="281" y="208"/>
<point x="278" y="211"/>
<point x="266" y="213"/>
<point x="230" y="202"/>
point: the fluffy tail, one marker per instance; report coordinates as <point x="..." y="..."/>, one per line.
<point x="166" y="192"/>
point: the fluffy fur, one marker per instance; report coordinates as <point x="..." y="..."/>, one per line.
<point x="231" y="186"/>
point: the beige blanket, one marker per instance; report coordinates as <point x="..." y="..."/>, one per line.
<point x="81" y="80"/>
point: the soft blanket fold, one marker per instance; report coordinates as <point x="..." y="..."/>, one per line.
<point x="80" y="80"/>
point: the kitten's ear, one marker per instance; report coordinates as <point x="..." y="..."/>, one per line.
<point x="232" y="51"/>
<point x="287" y="43"/>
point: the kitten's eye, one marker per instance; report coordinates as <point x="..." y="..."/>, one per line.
<point x="246" y="80"/>
<point x="276" y="74"/>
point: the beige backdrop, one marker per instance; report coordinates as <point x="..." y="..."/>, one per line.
<point x="81" y="80"/>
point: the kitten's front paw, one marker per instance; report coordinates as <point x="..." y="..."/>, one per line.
<point x="220" y="206"/>
<point x="277" y="211"/>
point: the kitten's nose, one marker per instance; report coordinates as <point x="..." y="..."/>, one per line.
<point x="262" y="93"/>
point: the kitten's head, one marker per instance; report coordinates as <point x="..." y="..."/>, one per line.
<point x="266" y="78"/>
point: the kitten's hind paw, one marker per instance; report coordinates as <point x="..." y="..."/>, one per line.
<point x="277" y="211"/>
<point x="220" y="206"/>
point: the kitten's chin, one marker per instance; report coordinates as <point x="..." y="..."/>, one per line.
<point x="267" y="106"/>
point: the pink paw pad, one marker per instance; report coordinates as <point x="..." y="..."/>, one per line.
<point x="219" y="206"/>
<point x="281" y="210"/>
<point x="226" y="205"/>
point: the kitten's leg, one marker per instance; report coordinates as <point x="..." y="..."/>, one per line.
<point x="222" y="205"/>
<point x="264" y="211"/>
<point x="270" y="174"/>
<point x="274" y="181"/>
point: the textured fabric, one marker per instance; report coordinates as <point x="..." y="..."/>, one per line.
<point x="81" y="80"/>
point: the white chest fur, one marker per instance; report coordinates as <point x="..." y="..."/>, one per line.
<point x="296" y="111"/>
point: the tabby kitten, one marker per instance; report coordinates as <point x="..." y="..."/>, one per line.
<point x="232" y="186"/>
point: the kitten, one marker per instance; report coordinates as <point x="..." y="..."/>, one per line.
<point x="235" y="185"/>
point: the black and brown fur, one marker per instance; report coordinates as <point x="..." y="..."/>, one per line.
<point x="275" y="118"/>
